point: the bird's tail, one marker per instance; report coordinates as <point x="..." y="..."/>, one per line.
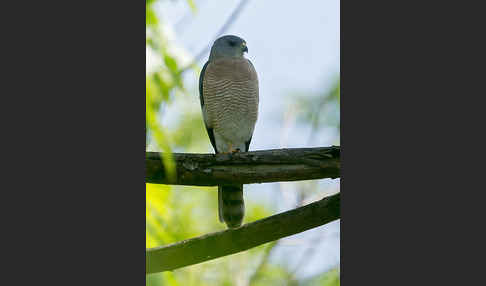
<point x="231" y="207"/>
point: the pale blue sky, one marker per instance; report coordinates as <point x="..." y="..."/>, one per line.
<point x="294" y="46"/>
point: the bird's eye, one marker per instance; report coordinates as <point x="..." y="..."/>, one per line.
<point x="232" y="43"/>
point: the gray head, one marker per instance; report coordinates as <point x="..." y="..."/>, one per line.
<point x="228" y="47"/>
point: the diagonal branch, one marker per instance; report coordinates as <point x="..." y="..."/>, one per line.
<point x="234" y="15"/>
<point x="214" y="245"/>
<point x="248" y="167"/>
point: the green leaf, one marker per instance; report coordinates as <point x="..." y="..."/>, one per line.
<point x="150" y="17"/>
<point x="171" y="63"/>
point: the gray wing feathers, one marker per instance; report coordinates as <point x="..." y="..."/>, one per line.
<point x="201" y="99"/>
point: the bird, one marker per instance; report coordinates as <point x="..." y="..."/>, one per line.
<point x="228" y="92"/>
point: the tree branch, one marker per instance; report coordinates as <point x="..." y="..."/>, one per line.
<point x="247" y="167"/>
<point x="214" y="245"/>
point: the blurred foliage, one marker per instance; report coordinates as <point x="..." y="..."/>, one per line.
<point x="321" y="110"/>
<point x="175" y="213"/>
<point x="330" y="278"/>
<point x="161" y="85"/>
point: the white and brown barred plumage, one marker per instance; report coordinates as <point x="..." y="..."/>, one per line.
<point x="228" y="88"/>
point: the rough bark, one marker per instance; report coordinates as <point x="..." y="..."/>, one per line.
<point x="247" y="167"/>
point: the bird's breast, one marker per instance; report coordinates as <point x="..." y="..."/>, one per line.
<point x="231" y="98"/>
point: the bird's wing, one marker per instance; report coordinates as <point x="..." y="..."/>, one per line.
<point x="201" y="99"/>
<point x="247" y="143"/>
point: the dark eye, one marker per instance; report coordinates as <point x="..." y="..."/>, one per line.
<point x="232" y="43"/>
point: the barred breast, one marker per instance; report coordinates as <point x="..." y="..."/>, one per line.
<point x="231" y="99"/>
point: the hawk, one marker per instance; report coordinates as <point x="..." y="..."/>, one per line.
<point x="228" y="91"/>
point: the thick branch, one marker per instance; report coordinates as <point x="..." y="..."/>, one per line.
<point x="214" y="245"/>
<point x="247" y="167"/>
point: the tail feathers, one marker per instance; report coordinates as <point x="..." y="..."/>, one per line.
<point x="231" y="207"/>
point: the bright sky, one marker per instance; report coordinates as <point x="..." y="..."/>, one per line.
<point x="294" y="46"/>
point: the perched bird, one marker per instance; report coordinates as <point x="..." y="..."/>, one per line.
<point x="228" y="91"/>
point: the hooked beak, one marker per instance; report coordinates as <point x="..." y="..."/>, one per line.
<point x="245" y="48"/>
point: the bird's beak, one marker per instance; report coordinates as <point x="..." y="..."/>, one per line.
<point x="245" y="48"/>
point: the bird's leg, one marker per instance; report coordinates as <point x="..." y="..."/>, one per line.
<point x="230" y="149"/>
<point x="233" y="151"/>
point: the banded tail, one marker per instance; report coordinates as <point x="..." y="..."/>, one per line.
<point x="231" y="207"/>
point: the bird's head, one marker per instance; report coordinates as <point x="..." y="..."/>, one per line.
<point x="228" y="47"/>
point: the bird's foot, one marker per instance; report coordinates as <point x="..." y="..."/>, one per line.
<point x="231" y="150"/>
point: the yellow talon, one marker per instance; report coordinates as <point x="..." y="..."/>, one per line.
<point x="231" y="150"/>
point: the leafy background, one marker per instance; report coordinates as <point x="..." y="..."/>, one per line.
<point x="296" y="54"/>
